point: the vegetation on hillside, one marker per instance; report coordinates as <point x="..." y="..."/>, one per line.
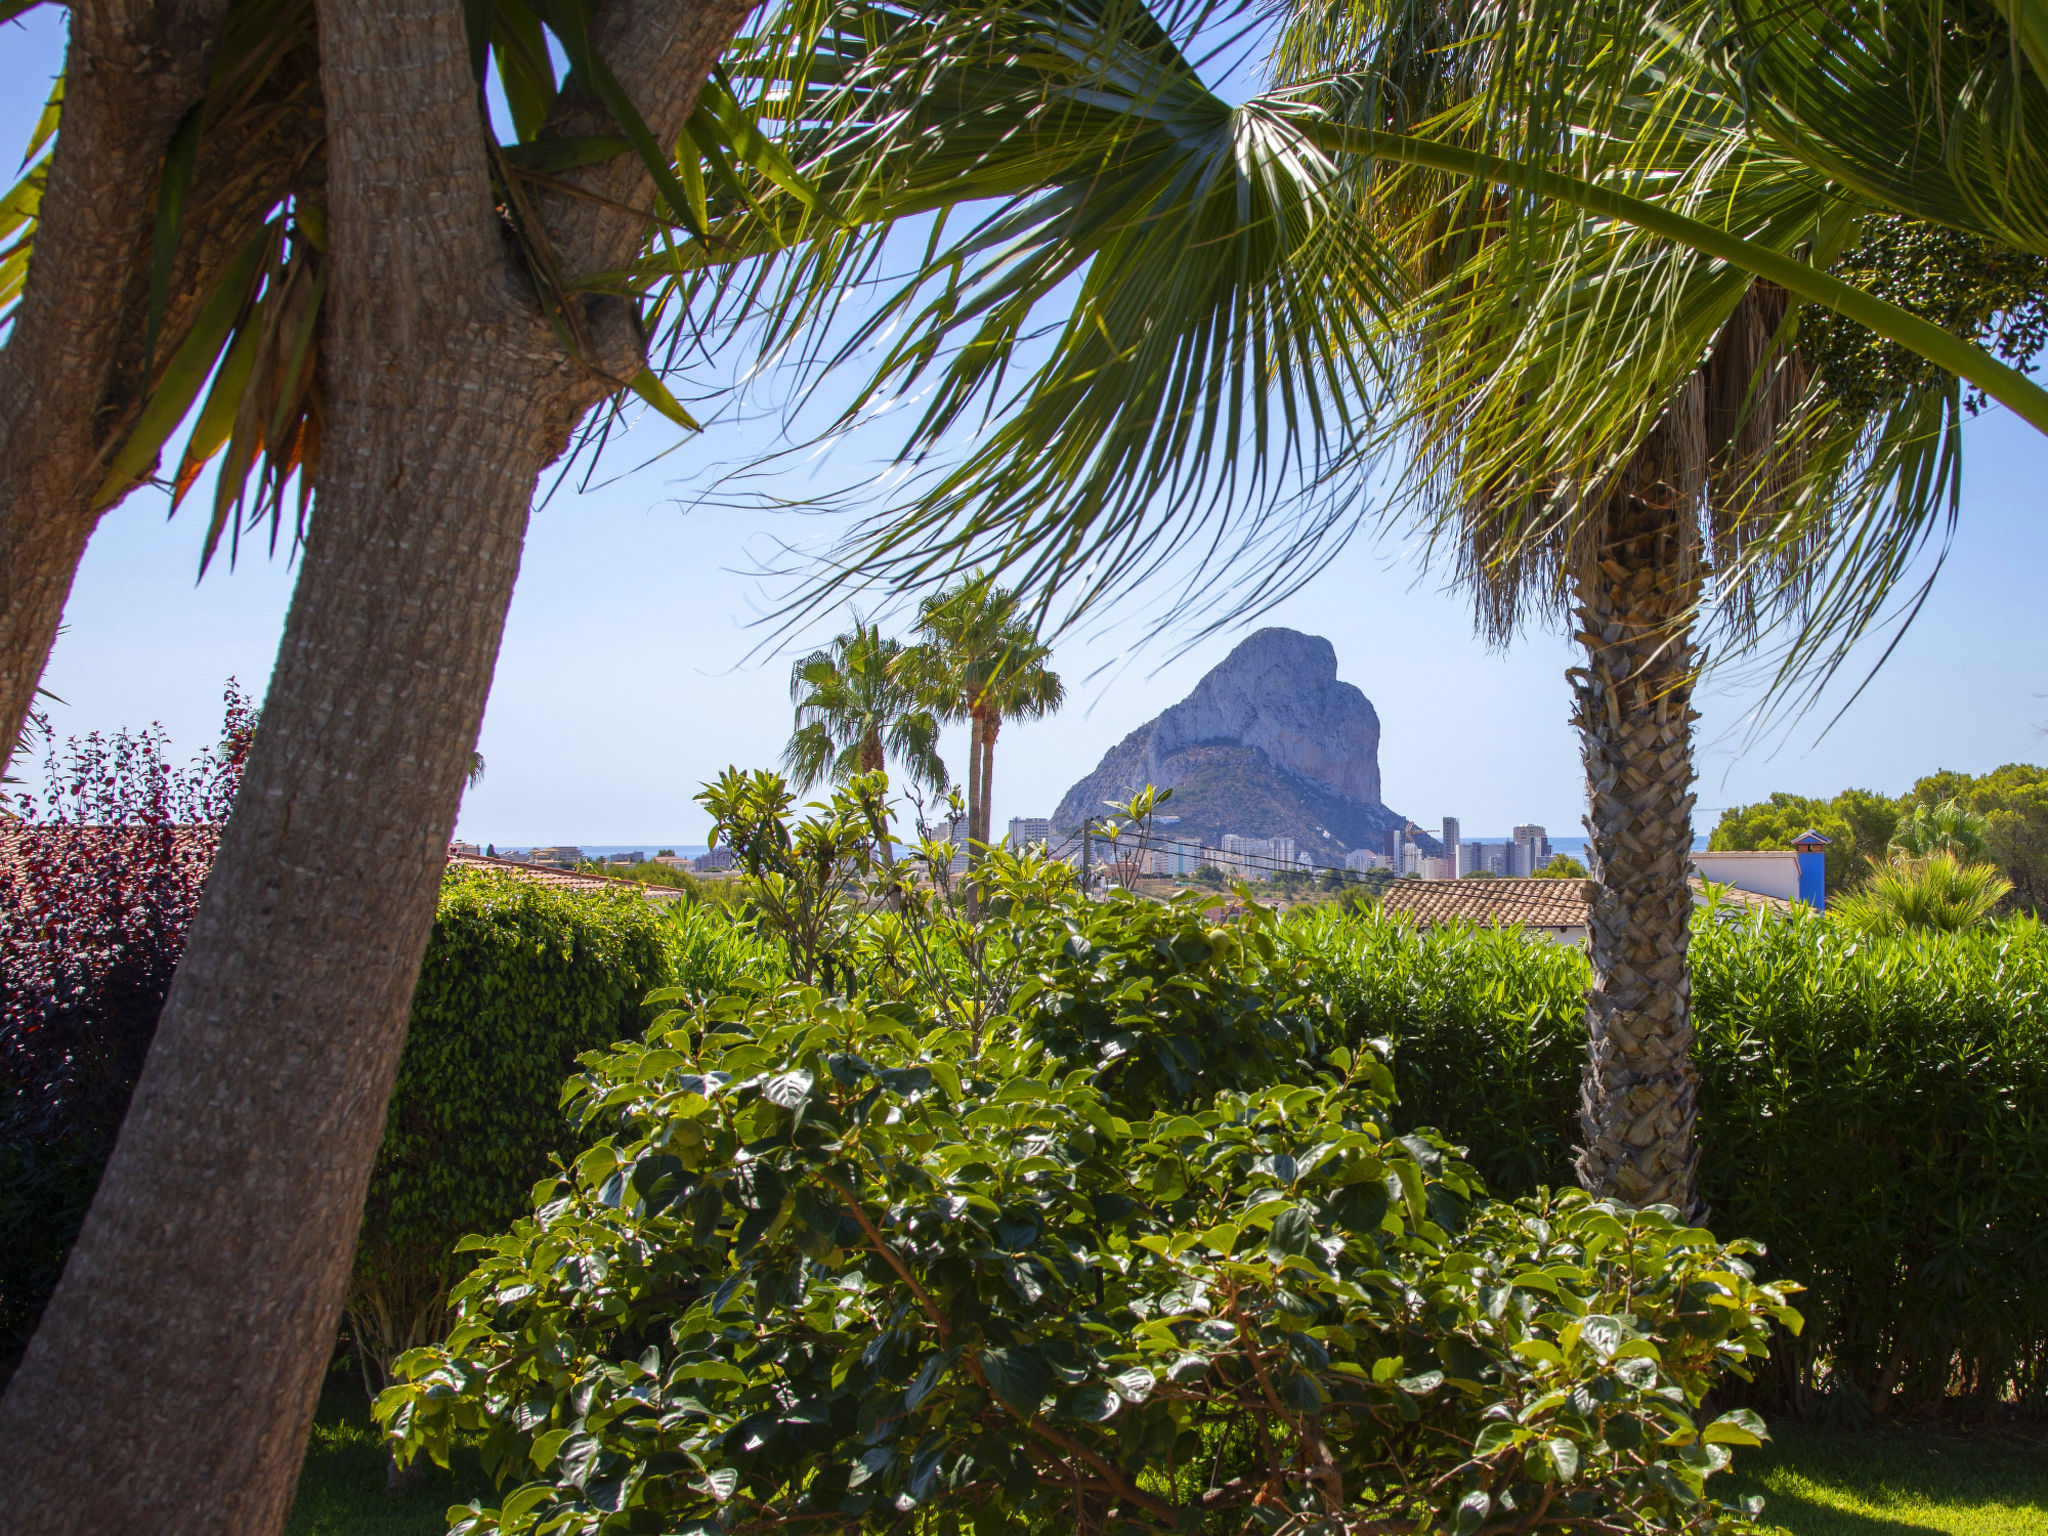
<point x="2012" y="800"/>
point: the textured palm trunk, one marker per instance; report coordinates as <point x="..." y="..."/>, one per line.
<point x="989" y="732"/>
<point x="976" y="724"/>
<point x="133" y="69"/>
<point x="872" y="760"/>
<point x="172" y="1382"/>
<point x="1635" y="590"/>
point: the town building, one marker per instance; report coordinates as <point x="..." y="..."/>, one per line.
<point x="1538" y="842"/>
<point x="1364" y="859"/>
<point x="1174" y="858"/>
<point x="1026" y="830"/>
<point x="562" y="856"/>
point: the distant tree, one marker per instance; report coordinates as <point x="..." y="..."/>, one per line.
<point x="1945" y="828"/>
<point x="1562" y="866"/>
<point x="1487" y="874"/>
<point x="855" y="708"/>
<point x="1860" y="833"/>
<point x="981" y="661"/>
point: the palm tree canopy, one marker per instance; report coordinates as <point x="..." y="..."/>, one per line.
<point x="981" y="657"/>
<point x="1946" y="828"/>
<point x="852" y="698"/>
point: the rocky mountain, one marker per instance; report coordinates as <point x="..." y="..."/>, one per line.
<point x="1269" y="744"/>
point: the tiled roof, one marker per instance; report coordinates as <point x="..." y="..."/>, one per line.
<point x="1497" y="903"/>
<point x="562" y="879"/>
<point x="61" y="839"/>
<point x="1754" y="901"/>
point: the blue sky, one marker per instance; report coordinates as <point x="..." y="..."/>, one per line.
<point x="632" y="671"/>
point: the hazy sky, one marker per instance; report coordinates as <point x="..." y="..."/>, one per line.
<point x="626" y="677"/>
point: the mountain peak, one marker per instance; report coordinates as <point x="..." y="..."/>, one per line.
<point x="1268" y="743"/>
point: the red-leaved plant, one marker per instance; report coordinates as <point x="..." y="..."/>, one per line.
<point x="100" y="876"/>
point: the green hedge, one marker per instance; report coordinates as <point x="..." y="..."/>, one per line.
<point x="519" y="979"/>
<point x="1876" y="1112"/>
<point x="1488" y="1029"/>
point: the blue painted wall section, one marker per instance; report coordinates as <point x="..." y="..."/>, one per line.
<point x="1813" y="868"/>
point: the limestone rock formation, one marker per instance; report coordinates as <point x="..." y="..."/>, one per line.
<point x="1268" y="744"/>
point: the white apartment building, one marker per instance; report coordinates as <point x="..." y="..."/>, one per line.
<point x="1259" y="858"/>
<point x="1173" y="858"/>
<point x="1026" y="830"/>
<point x="1363" y="859"/>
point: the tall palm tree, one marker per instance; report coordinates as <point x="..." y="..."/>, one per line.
<point x="1614" y="509"/>
<point x="854" y="708"/>
<point x="981" y="661"/>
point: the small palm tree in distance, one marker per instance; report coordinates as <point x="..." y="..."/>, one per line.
<point x="981" y="661"/>
<point x="855" y="708"/>
<point x="1944" y="828"/>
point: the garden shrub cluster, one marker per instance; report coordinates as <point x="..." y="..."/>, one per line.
<point x="1138" y="1248"/>
<point x="100" y="875"/>
<point x="520" y="978"/>
<point x="1874" y="1111"/>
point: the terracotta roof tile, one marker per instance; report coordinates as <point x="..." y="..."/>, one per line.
<point x="1497" y="903"/>
<point x="1755" y="901"/>
<point x="561" y="879"/>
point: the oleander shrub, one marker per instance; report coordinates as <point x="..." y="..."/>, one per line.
<point x="828" y="1264"/>
<point x="519" y="979"/>
<point x="1875" y="1110"/>
<point x="100" y="875"/>
<point x="1487" y="1028"/>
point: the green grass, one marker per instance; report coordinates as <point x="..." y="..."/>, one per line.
<point x="1898" y="1480"/>
<point x="1890" y="1481"/>
<point x="341" y="1486"/>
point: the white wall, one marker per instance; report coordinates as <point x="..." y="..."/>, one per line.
<point x="1767" y="872"/>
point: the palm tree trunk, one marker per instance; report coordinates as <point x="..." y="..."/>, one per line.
<point x="872" y="760"/>
<point x="975" y="788"/>
<point x="1634" y="590"/>
<point x="134" y="70"/>
<point x="172" y="1382"/>
<point x="989" y="732"/>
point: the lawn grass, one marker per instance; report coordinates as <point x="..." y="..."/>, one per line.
<point x="1898" y="1480"/>
<point x="1889" y="1481"/>
<point x="341" y="1486"/>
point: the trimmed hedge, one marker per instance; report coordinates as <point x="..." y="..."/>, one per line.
<point x="1488" y="1029"/>
<point x="519" y="979"/>
<point x="1875" y="1111"/>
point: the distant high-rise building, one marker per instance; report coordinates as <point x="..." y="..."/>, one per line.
<point x="1397" y="838"/>
<point x="1436" y="867"/>
<point x="1536" y="843"/>
<point x="1471" y="858"/>
<point x="1026" y="830"/>
<point x="1363" y="859"/>
<point x="1450" y="837"/>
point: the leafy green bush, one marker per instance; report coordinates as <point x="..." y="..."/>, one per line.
<point x="519" y="980"/>
<point x="1158" y="1003"/>
<point x="1487" y="1027"/>
<point x="830" y="1266"/>
<point x="1874" y="1111"/>
<point x="1937" y="893"/>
